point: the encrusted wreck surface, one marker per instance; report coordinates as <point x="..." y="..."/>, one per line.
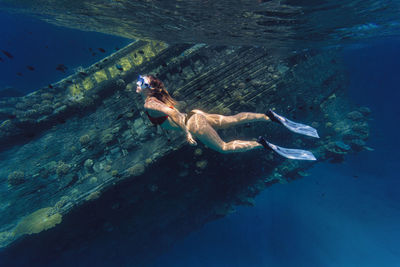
<point x="83" y="153"/>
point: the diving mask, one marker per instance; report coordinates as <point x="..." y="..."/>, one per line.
<point x="143" y="82"/>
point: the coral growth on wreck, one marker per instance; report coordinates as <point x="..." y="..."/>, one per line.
<point x="16" y="178"/>
<point x="37" y="222"/>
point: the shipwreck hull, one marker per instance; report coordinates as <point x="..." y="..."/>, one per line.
<point x="83" y="155"/>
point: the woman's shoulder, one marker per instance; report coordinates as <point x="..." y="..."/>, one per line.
<point x="149" y="100"/>
<point x="154" y="99"/>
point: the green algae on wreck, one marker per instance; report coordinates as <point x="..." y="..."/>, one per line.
<point x="36" y="222"/>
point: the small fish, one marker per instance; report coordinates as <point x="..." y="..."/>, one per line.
<point x="117" y="48"/>
<point x="1" y="59"/>
<point x="101" y="50"/>
<point x="19" y="73"/>
<point x="83" y="73"/>
<point x="120" y="116"/>
<point x="93" y="54"/>
<point x="8" y="54"/>
<point x="355" y="176"/>
<point x="69" y="82"/>
<point x="119" y="67"/>
<point x="61" y="67"/>
<point x="30" y="68"/>
<point x="50" y="86"/>
<point x="46" y="46"/>
<point x="90" y="49"/>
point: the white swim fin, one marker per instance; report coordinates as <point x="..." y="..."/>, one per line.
<point x="293" y="126"/>
<point x="287" y="152"/>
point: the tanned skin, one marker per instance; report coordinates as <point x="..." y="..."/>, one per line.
<point x="202" y="125"/>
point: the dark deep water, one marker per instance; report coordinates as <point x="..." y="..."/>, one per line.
<point x="340" y="215"/>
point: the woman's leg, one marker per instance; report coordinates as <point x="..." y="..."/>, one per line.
<point x="220" y="121"/>
<point x="199" y="126"/>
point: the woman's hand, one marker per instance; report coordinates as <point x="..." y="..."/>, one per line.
<point x="190" y="140"/>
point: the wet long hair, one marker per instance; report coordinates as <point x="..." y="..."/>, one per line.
<point x="158" y="91"/>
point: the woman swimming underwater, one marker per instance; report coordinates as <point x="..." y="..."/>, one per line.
<point x="160" y="108"/>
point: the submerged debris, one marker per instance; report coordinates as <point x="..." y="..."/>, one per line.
<point x="84" y="139"/>
<point x="107" y="138"/>
<point x="355" y="115"/>
<point x="119" y="67"/>
<point x="198" y="152"/>
<point x="136" y="170"/>
<point x="62" y="168"/>
<point x="365" y="111"/>
<point x="16" y="178"/>
<point x="88" y="164"/>
<point x="342" y="146"/>
<point x="202" y="164"/>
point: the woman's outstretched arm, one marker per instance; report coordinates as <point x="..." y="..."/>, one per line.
<point x="177" y="117"/>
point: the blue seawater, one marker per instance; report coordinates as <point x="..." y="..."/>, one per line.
<point x="340" y="215"/>
<point x="43" y="46"/>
